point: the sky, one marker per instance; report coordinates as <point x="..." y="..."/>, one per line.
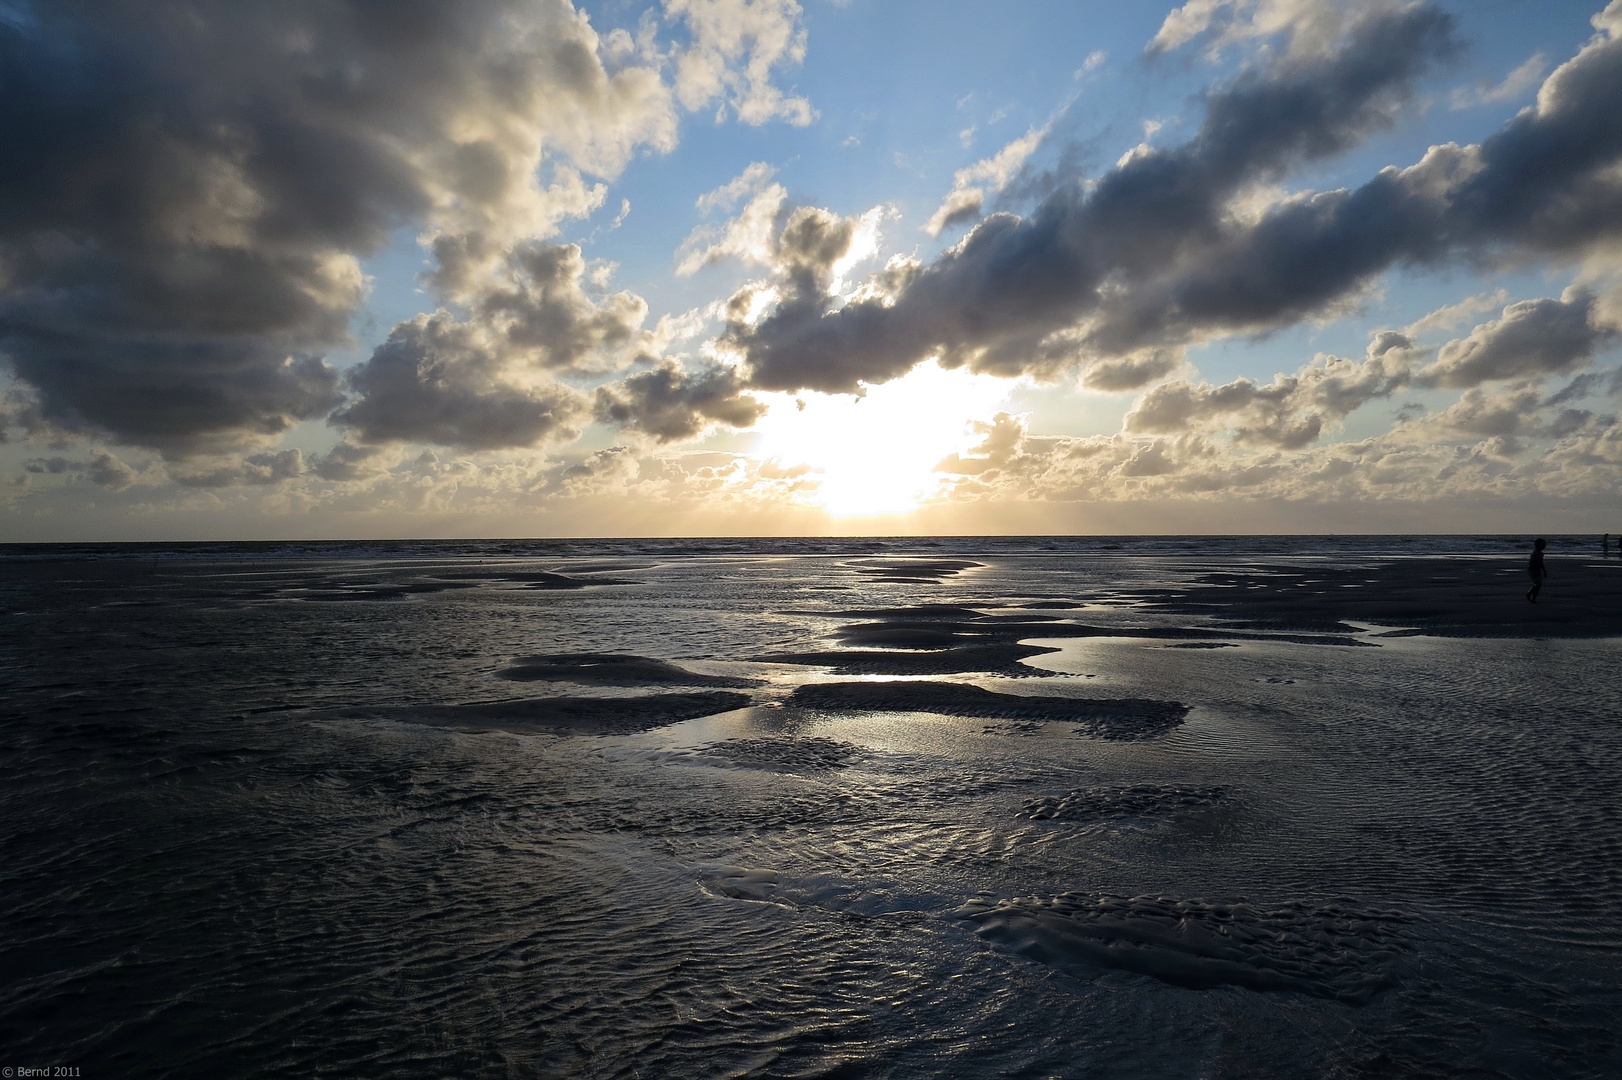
<point x="314" y="268"/>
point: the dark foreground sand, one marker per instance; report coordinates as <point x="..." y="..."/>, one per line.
<point x="1436" y="596"/>
<point x="561" y="715"/>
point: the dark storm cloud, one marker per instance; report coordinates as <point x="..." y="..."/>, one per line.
<point x="181" y="397"/>
<point x="1112" y="267"/>
<point x="1546" y="184"/>
<point x="440" y="380"/>
<point x="671" y="404"/>
<point x="187" y="186"/>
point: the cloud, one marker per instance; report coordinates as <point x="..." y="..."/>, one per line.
<point x="1544" y="186"/>
<point x="1533" y="338"/>
<point x="749" y="182"/>
<point x="189" y="187"/>
<point x="671" y="404"/>
<point x="441" y="380"/>
<point x="1132" y="371"/>
<point x="347" y="462"/>
<point x="256" y="470"/>
<point x="1003" y="439"/>
<point x="103" y="469"/>
<point x="541" y="308"/>
<point x="1507" y="413"/>
<point x="1515" y="84"/>
<point x="969" y="185"/>
<point x="1185" y="23"/>
<point x="1312" y="28"/>
<point x="1454" y="315"/>
<point x="749" y="237"/>
<point x="1509" y="444"/>
<point x="1288" y="413"/>
<point x="735" y="45"/>
<point x="1151" y="254"/>
<point x="484" y="382"/>
<point x="107" y="471"/>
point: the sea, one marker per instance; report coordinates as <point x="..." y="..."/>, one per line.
<point x="829" y="807"/>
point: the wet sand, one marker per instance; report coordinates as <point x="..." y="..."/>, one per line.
<point x="1263" y="811"/>
<point x="1441" y="597"/>
<point x="1109" y="718"/>
<point x="611" y="669"/>
<point x="560" y="715"/>
<point x="1331" y="952"/>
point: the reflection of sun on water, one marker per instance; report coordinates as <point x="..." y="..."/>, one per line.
<point x="877" y="455"/>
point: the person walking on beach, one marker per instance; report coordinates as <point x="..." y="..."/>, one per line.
<point x="1536" y="569"/>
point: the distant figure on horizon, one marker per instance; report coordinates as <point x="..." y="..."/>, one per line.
<point x="1605" y="547"/>
<point x="1536" y="569"/>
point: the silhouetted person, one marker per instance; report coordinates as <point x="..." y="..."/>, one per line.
<point x="1536" y="569"/>
<point x="1605" y="547"/>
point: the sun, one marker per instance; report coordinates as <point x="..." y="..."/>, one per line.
<point x="877" y="454"/>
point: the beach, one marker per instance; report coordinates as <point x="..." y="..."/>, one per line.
<point x="1214" y="807"/>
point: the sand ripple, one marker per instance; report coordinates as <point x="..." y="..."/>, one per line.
<point x="810" y="753"/>
<point x="1330" y="952"/>
<point x="1139" y="800"/>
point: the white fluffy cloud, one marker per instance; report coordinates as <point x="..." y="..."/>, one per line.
<point x="735" y="46"/>
<point x="971" y="185"/>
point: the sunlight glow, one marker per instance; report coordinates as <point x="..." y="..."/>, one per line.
<point x="877" y="454"/>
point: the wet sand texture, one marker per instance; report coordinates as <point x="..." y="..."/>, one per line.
<point x="1438" y="596"/>
<point x="952" y="639"/>
<point x="563" y="715"/>
<point x="1328" y="952"/>
<point x="928" y="639"/>
<point x="810" y="753"/>
<point x="536" y="579"/>
<point x="740" y="883"/>
<point x="1193" y="635"/>
<point x="914" y="611"/>
<point x="1001" y="660"/>
<point x="379" y="590"/>
<point x="611" y="669"/>
<point x="1139" y="800"/>
<point x="911" y="571"/>
<point x="1120" y="718"/>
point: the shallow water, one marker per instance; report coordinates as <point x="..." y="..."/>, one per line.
<point x="245" y="835"/>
